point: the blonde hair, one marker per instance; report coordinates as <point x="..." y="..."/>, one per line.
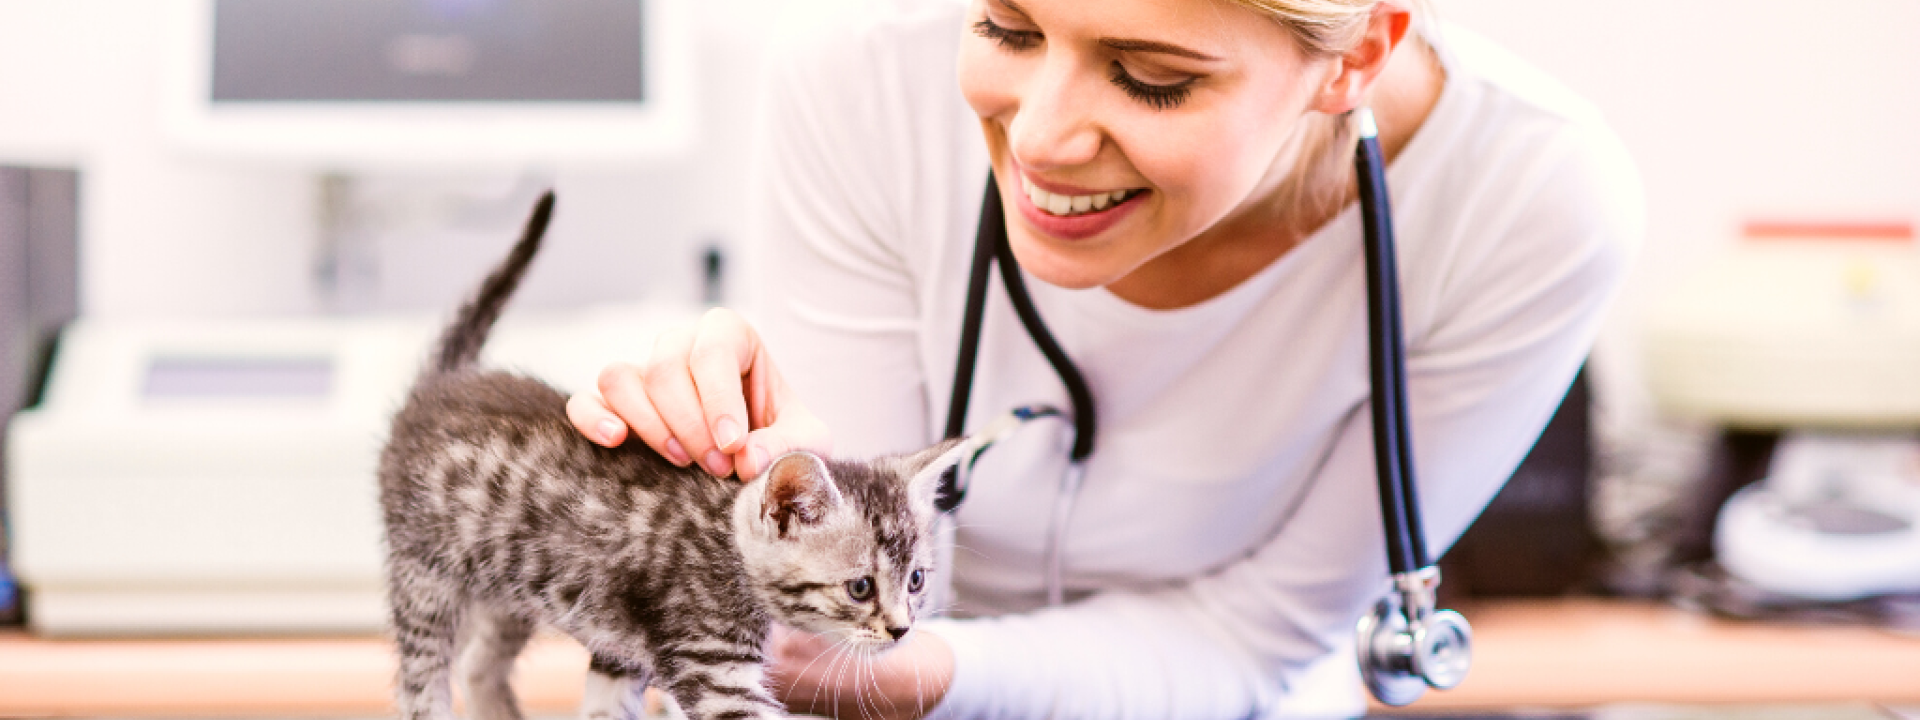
<point x="1318" y="185"/>
<point x="1323" y="27"/>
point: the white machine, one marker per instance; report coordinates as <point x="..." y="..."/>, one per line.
<point x="218" y="477"/>
<point x="412" y="85"/>
<point x="1838" y="518"/>
<point x="1814" y="331"/>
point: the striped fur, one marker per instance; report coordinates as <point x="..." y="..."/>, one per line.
<point x="500" y="517"/>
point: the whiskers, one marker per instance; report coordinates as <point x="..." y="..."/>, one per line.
<point x="856" y="674"/>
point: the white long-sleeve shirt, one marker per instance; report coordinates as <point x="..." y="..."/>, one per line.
<point x="1228" y="534"/>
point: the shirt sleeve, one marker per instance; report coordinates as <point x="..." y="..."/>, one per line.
<point x="839" y="312"/>
<point x="1482" y="383"/>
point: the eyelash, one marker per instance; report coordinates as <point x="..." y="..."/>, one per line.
<point x="1158" y="97"/>
<point x="1005" y="37"/>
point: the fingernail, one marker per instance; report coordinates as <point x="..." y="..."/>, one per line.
<point x="726" y="431"/>
<point x="757" y="456"/>
<point x="676" y="453"/>
<point x="715" y="463"/>
<point x="609" y="429"/>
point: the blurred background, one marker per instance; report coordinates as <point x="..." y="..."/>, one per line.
<point x="224" y="242"/>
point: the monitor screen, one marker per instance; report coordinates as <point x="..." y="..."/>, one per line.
<point x="227" y="377"/>
<point x="370" y="85"/>
<point x="427" y="51"/>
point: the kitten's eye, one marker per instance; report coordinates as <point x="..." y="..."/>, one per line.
<point x="916" y="581"/>
<point x="860" y="590"/>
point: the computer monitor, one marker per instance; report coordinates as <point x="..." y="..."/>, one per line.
<point x="372" y="84"/>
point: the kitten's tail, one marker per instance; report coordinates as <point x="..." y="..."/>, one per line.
<point x="460" y="345"/>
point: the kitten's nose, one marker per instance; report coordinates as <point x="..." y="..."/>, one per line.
<point x="897" y="632"/>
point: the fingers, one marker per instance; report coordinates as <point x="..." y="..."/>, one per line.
<point x="707" y="394"/>
<point x="797" y="429"/>
<point x="622" y="393"/>
<point x="752" y="416"/>
<point x="591" y="416"/>
<point x="722" y="356"/>
<point x="784" y="423"/>
<point x="668" y="385"/>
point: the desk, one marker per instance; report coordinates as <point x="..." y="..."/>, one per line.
<point x="1547" y="654"/>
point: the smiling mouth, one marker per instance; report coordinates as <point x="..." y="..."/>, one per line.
<point x="1071" y="205"/>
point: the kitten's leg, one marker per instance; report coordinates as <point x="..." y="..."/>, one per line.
<point x="615" y="689"/>
<point x="718" y="680"/>
<point x="426" y="613"/>
<point x="494" y="638"/>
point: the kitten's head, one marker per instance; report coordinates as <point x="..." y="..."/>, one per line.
<point x="843" y="548"/>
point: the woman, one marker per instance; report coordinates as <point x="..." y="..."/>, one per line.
<point x="1178" y="181"/>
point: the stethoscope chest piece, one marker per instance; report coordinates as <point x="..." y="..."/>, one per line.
<point x="1406" y="646"/>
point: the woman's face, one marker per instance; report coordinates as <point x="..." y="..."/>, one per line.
<point x="1122" y="129"/>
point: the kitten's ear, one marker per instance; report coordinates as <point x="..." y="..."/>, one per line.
<point x="924" y="469"/>
<point x="799" y="491"/>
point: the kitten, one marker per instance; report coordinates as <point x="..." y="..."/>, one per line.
<point x="500" y="516"/>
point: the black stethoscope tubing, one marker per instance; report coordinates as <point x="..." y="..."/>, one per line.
<point x="1387" y="367"/>
<point x="990" y="244"/>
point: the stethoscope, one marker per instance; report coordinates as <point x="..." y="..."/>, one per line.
<point x="1405" y="645"/>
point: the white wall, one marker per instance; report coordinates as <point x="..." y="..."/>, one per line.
<point x="1734" y="109"/>
<point x="1737" y="109"/>
<point x="79" y="85"/>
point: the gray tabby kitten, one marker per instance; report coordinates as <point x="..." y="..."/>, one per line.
<point x="499" y="516"/>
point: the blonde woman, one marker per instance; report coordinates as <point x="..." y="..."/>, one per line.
<point x="1179" y="190"/>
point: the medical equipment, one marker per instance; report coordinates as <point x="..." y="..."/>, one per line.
<point x="1811" y="331"/>
<point x="1795" y="326"/>
<point x="421" y="84"/>
<point x="218" y="476"/>
<point x="1836" y="519"/>
<point x="1405" y="644"/>
<point x="39" y="291"/>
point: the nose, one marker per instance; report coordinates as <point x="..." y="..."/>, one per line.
<point x="897" y="632"/>
<point x="1052" y="127"/>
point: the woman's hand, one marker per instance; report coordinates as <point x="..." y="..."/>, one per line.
<point x="708" y="393"/>
<point x="813" y="674"/>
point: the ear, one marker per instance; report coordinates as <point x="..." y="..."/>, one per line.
<point x="799" y="491"/>
<point x="924" y="469"/>
<point x="1355" y="71"/>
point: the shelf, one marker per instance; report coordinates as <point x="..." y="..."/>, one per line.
<point x="1587" y="652"/>
<point x="1543" y="654"/>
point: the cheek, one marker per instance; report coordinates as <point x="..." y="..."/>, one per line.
<point x="1206" y="163"/>
<point x="987" y="78"/>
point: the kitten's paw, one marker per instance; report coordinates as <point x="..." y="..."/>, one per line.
<point x="658" y="705"/>
<point x="616" y="697"/>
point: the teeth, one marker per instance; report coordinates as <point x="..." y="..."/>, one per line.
<point x="1070" y="205"/>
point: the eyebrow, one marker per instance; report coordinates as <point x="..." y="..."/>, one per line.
<point x="1125" y="45"/>
<point x="1154" y="47"/>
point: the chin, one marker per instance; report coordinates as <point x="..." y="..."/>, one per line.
<point x="1070" y="270"/>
